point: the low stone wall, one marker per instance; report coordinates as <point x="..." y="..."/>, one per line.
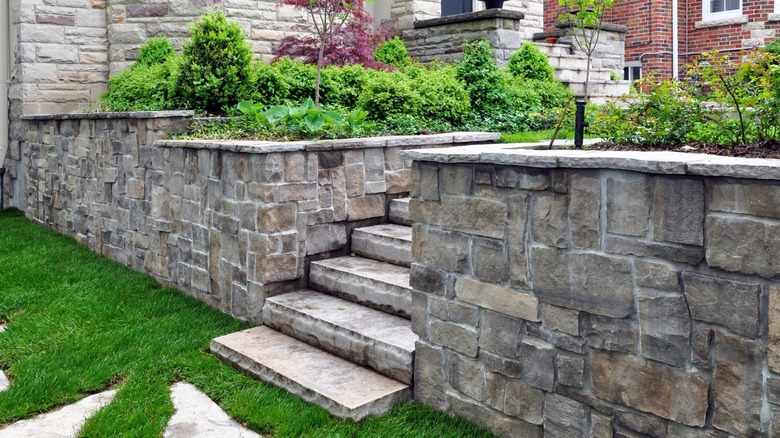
<point x="228" y="222"/>
<point x="599" y="294"/>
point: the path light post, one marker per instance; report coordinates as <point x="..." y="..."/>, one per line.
<point x="579" y="124"/>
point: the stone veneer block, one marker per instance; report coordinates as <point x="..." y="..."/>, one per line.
<point x="678" y="210"/>
<point x="325" y="237"/>
<point x="564" y="417"/>
<point x="628" y="204"/>
<point x="661" y="390"/>
<point x="773" y="341"/>
<point x="549" y="223"/>
<point x="482" y="217"/>
<point x="344" y="389"/>
<point x="669" y="251"/>
<point x="737" y="385"/>
<point x="654" y="275"/>
<point x="584" y="209"/>
<point x="583" y="281"/>
<point x="665" y="327"/>
<point x="732" y="304"/>
<point x="757" y="199"/>
<point x="507" y="301"/>
<point x="743" y="244"/>
<point x="516" y="229"/>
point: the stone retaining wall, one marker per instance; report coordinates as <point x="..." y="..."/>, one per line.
<point x="598" y="294"/>
<point x="227" y="222"/>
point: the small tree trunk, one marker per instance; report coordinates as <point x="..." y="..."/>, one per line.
<point x="319" y="70"/>
<point x="587" y="76"/>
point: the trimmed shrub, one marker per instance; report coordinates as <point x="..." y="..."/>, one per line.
<point x="271" y="88"/>
<point x="552" y="94"/>
<point x="389" y="94"/>
<point x="155" y="51"/>
<point x="299" y="78"/>
<point x="774" y="47"/>
<point x="529" y="62"/>
<point x="484" y="82"/>
<point x="444" y="97"/>
<point x="144" y="87"/>
<point x="342" y="85"/>
<point x="393" y="52"/>
<point x="216" y="67"/>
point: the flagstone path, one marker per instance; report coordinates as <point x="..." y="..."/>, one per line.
<point x="64" y="422"/>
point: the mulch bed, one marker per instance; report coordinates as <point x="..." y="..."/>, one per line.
<point x="768" y="149"/>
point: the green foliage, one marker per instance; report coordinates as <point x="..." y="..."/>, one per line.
<point x="216" y="67"/>
<point x="444" y="97"/>
<point x="155" y="51"/>
<point x="484" y="81"/>
<point x="552" y="94"/>
<point x="270" y="85"/>
<point x="342" y="85"/>
<point x="530" y="63"/>
<point x="774" y="47"/>
<point x="393" y="52"/>
<point x="145" y="87"/>
<point x="389" y="94"/>
<point x="300" y="78"/>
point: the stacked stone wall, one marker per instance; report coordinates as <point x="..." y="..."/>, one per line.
<point x="227" y="222"/>
<point x="599" y="296"/>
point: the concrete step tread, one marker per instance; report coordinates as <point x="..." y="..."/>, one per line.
<point x="389" y="243"/>
<point x="352" y="331"/>
<point x="368" y="268"/>
<point x="376" y="284"/>
<point x="344" y="389"/>
<point x="399" y="211"/>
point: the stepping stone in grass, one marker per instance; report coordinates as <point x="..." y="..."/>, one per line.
<point x="64" y="422"/>
<point x="198" y="416"/>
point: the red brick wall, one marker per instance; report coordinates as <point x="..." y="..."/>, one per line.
<point x="649" y="36"/>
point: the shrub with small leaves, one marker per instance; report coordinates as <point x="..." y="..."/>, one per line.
<point x="444" y="97"/>
<point x="299" y="78"/>
<point x="342" y="85"/>
<point x="389" y="94"/>
<point x="216" y="67"/>
<point x="530" y="63"/>
<point x="155" y="51"/>
<point x="144" y="87"/>
<point x="393" y="52"/>
<point x="271" y="87"/>
<point x="486" y="85"/>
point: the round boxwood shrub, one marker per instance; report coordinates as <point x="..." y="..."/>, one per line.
<point x="342" y="86"/>
<point x="389" y="94"/>
<point x="216" y="66"/>
<point x="393" y="52"/>
<point x="529" y="62"/>
<point x="155" y="51"/>
<point x="444" y="97"/>
<point x="271" y="88"/>
<point x="299" y="77"/>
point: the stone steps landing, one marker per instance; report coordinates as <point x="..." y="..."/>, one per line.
<point x="388" y="243"/>
<point x="344" y="389"/>
<point x="376" y="284"/>
<point x="360" y="334"/>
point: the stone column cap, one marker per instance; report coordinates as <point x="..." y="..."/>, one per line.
<point x="470" y="16"/>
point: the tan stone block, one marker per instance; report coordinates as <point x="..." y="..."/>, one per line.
<point x="507" y="301"/>
<point x="773" y="342"/>
<point x="273" y="218"/>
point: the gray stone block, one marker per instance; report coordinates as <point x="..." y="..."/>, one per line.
<point x="549" y="224"/>
<point x="489" y="261"/>
<point x="583" y="281"/>
<point x="669" y="251"/>
<point x="737" y="385"/>
<point x="600" y="426"/>
<point x="507" y="301"/>
<point x="376" y="284"/>
<point x="524" y="402"/>
<point x="452" y="311"/>
<point x="665" y="328"/>
<point x="357" y="333"/>
<point x="458" y="337"/>
<point x="570" y="369"/>
<point x="564" y="417"/>
<point x="522" y="178"/>
<point x="515" y="233"/>
<point x="431" y="281"/>
<point x="429" y="366"/>
<point x="743" y="244"/>
<point x="365" y="207"/>
<point x="661" y="276"/>
<point x="388" y="243"/>
<point x="678" y="210"/>
<point x="399" y="211"/>
<point x="609" y="334"/>
<point x="456" y="180"/>
<point x="584" y="210"/>
<point x="678" y="395"/>
<point x="439" y="249"/>
<point x="628" y="204"/>
<point x="344" y="389"/>
<point x="478" y="216"/>
<point x="732" y="304"/>
<point x="466" y="376"/>
<point x="500" y="333"/>
<point x="773" y="335"/>
<point x="538" y="363"/>
<point x="648" y="425"/>
<point x="561" y="319"/>
<point x="428" y="182"/>
<point x="755" y="199"/>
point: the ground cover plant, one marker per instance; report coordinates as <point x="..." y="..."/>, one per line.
<point x="725" y="105"/>
<point x="389" y="93"/>
<point x="79" y="323"/>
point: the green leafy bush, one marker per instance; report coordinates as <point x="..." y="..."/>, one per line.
<point x="144" y="87"/>
<point x="389" y="94"/>
<point x="342" y="85"/>
<point x="216" y="67"/>
<point x="155" y="51"/>
<point x="270" y="85"/>
<point x="774" y="47"/>
<point x="393" y="52"/>
<point x="444" y="97"/>
<point x="299" y="77"/>
<point x="529" y="62"/>
<point x="485" y="84"/>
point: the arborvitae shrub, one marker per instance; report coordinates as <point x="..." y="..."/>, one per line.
<point x="393" y="52"/>
<point x="484" y="83"/>
<point x="216" y="68"/>
<point x="155" y="51"/>
<point x="530" y="63"/>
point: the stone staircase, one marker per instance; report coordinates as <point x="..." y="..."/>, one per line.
<point x="347" y="343"/>
<point x="570" y="68"/>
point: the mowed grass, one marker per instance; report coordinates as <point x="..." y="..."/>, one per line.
<point x="78" y="324"/>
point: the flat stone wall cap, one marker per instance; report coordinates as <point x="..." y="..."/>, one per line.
<point x="656" y="162"/>
<point x="470" y="16"/>
<point x="121" y="115"/>
<point x="246" y="146"/>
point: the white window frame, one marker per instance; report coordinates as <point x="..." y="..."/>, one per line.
<point x="706" y="15"/>
<point x="777" y="6"/>
<point x="629" y="65"/>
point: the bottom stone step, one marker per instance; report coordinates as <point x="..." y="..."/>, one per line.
<point x="344" y="389"/>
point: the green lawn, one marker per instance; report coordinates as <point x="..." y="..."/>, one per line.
<point x="79" y="323"/>
<point x="538" y="136"/>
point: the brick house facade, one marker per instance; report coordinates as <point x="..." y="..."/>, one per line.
<point x="729" y="26"/>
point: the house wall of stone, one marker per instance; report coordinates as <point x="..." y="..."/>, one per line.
<point x="227" y="222"/>
<point x="610" y="295"/>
